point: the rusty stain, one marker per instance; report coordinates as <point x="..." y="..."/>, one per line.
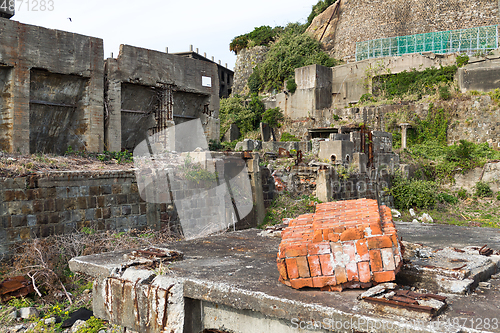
<point x="485" y="251"/>
<point x="282" y="152"/>
<point x="15" y="287"/>
<point x="247" y="155"/>
<point x="394" y="303"/>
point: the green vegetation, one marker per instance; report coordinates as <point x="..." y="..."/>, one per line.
<point x="195" y="172"/>
<point x="236" y="110"/>
<point x="412" y="82"/>
<point x="119" y="156"/>
<point x="319" y="8"/>
<point x="289" y="52"/>
<point x="462" y="59"/>
<point x="289" y="205"/>
<point x="482" y="190"/>
<point x="273" y="117"/>
<point x="410" y="193"/>
<point x="288" y="137"/>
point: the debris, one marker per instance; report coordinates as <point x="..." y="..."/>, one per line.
<point x="496" y="276"/>
<point x="395" y="213"/>
<point x="426" y="218"/>
<point x="485" y="285"/>
<point x="378" y="289"/>
<point x="50" y="321"/>
<point x="15" y="287"/>
<point x="485" y="251"/>
<point x="28" y="312"/>
<point x="77" y="325"/>
<point x="80" y="315"/>
<point x="412" y="212"/>
<point x="282" y="152"/>
<point x="415" y="221"/>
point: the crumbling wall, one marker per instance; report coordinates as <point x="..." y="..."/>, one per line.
<point x="63" y="202"/>
<point x="367" y="19"/>
<point x="141" y="82"/>
<point x="71" y="60"/>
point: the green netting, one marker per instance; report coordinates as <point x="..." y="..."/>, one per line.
<point x="464" y="40"/>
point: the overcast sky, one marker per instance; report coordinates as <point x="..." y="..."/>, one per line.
<point x="156" y="24"/>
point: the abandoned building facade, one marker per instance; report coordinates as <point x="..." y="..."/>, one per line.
<point x="59" y="92"/>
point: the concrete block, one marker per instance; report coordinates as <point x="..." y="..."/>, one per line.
<point x="265" y="132"/>
<point x="360" y="160"/>
<point x="339" y="152"/>
<point x="382" y="142"/>
<point x="28" y="312"/>
<point x="232" y="134"/>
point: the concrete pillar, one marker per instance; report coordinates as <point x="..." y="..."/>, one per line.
<point x="323" y="185"/>
<point x="404" y="127"/>
<point x="191" y="48"/>
<point x="21" y="112"/>
<point x="114" y="105"/>
<point x="257" y="191"/>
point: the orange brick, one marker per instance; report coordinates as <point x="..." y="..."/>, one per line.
<point x="379" y="242"/>
<point x="301" y="283"/>
<point x="364" y="271"/>
<point x="318" y="248"/>
<point x="394" y="239"/>
<point x="303" y="267"/>
<point x="291" y="268"/>
<point x="322" y="281"/>
<point x="340" y="274"/>
<point x="326" y="232"/>
<point x="375" y="261"/>
<point x="333" y="237"/>
<point x="314" y="265"/>
<point x="296" y="250"/>
<point x="351" y="234"/>
<point x="376" y="230"/>
<point x="282" y="268"/>
<point x="388" y="259"/>
<point x="362" y="249"/>
<point x="326" y="261"/>
<point x="339" y="229"/>
<point x="380" y="277"/>
<point x="317" y="236"/>
<point x="352" y="271"/>
<point x="349" y="249"/>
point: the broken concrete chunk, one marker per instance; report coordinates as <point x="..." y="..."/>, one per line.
<point x="379" y="289"/>
<point x="433" y="303"/>
<point x="485" y="285"/>
<point x="28" y="312"/>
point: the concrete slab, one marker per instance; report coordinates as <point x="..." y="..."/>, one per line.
<point x="230" y="282"/>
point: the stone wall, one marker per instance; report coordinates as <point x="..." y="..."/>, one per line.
<point x="245" y="62"/>
<point x="361" y="20"/>
<point x="41" y="205"/>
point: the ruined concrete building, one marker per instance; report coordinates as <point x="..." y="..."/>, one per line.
<point x="58" y="92"/>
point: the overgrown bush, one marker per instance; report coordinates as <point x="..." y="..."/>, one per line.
<point x="448" y="198"/>
<point x="262" y="35"/>
<point x="444" y="93"/>
<point x="413" y="81"/>
<point x="462" y="59"/>
<point x="247" y="115"/>
<point x="462" y="194"/>
<point x="410" y="193"/>
<point x="273" y="117"/>
<point x="483" y="189"/>
<point x="291" y="86"/>
<point x="288" y="137"/>
<point x="289" y="52"/>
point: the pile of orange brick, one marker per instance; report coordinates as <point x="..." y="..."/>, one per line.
<point x="345" y="244"/>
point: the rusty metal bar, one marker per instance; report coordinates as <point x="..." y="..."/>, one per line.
<point x="53" y="104"/>
<point x="388" y="302"/>
<point x="133" y="111"/>
<point x="181" y="116"/>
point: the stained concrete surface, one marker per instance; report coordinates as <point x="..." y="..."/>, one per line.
<point x="238" y="271"/>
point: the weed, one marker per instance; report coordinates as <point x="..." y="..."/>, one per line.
<point x="289" y="205"/>
<point x="462" y="59"/>
<point x="462" y="194"/>
<point x="288" y="137"/>
<point x="482" y="189"/>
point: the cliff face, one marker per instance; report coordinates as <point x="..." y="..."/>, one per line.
<point x="359" y="20"/>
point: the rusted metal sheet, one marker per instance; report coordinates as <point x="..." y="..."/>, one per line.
<point x="282" y="152"/>
<point x="399" y="304"/>
<point x="15" y="287"/>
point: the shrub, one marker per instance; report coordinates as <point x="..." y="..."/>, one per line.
<point x="413" y="193"/>
<point x="273" y="117"/>
<point x="444" y="93"/>
<point x="498" y="196"/>
<point x="290" y="51"/>
<point x="462" y="60"/>
<point x="247" y="115"/>
<point x="462" y="194"/>
<point x="291" y="86"/>
<point x="254" y="82"/>
<point x="288" y="137"/>
<point x="483" y="190"/>
<point x="262" y="35"/>
<point x="366" y="98"/>
<point x="445" y="197"/>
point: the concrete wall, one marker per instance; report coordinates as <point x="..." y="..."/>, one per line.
<point x="54" y="72"/>
<point x="481" y="74"/>
<point x="321" y="87"/>
<point x="361" y="20"/>
<point x="142" y="72"/>
<point x="63" y="202"/>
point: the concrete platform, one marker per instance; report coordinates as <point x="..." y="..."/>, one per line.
<point x="230" y="282"/>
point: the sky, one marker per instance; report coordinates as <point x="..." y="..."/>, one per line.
<point x="156" y="24"/>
